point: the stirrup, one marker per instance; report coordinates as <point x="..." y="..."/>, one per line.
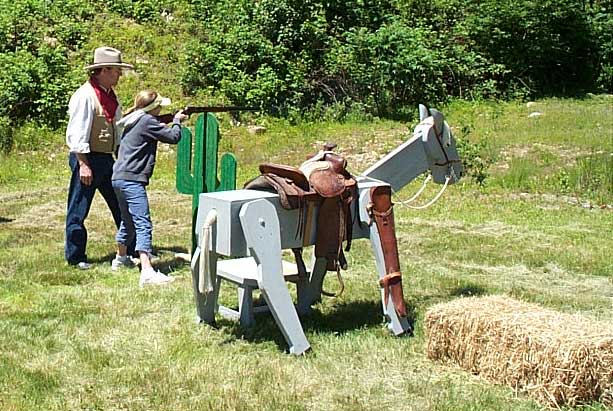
<point x="341" y="282"/>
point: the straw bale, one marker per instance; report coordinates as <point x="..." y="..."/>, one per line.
<point x="559" y="359"/>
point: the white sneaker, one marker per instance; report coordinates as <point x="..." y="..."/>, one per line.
<point x="121" y="261"/>
<point x="152" y="277"/>
<point x="84" y="265"/>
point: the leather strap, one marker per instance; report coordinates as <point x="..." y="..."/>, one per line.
<point x="384" y="281"/>
<point x="387" y="282"/>
<point x="341" y="284"/>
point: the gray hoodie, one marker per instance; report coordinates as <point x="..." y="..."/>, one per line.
<point x="138" y="146"/>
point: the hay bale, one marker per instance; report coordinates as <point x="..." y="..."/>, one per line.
<point x="559" y="359"/>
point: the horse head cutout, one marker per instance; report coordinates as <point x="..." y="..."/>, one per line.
<point x="431" y="147"/>
<point x="440" y="146"/>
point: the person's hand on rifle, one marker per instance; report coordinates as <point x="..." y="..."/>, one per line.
<point x="179" y="117"/>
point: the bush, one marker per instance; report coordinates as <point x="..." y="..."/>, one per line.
<point x="35" y="41"/>
<point x="301" y="57"/>
<point x="602" y="25"/>
<point x="474" y="159"/>
<point x="387" y="56"/>
<point x="258" y="53"/>
<point x="35" y="86"/>
<point x="398" y="66"/>
<point x="18" y="83"/>
<point x="144" y="11"/>
<point x="6" y="134"/>
<point x="281" y="54"/>
<point x="540" y="43"/>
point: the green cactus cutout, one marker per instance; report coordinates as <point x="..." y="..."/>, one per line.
<point x="200" y="174"/>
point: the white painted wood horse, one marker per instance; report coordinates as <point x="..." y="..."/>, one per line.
<point x="252" y="228"/>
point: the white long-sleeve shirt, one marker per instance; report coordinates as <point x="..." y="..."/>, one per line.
<point x="82" y="109"/>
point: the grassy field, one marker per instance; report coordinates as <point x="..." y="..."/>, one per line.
<point x="539" y="229"/>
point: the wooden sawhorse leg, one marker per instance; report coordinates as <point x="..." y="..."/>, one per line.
<point x="262" y="233"/>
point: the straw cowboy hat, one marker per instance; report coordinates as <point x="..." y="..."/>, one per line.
<point x="107" y="57"/>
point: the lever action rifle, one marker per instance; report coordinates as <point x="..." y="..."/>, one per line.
<point x="189" y="110"/>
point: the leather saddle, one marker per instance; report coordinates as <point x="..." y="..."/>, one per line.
<point x="322" y="180"/>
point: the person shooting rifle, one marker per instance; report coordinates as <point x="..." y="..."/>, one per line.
<point x="189" y="110"/>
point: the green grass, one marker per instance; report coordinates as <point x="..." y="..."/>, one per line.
<point x="567" y="150"/>
<point x="93" y="340"/>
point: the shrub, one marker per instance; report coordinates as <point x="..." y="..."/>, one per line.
<point x="36" y="86"/>
<point x="398" y="66"/>
<point x="35" y="40"/>
<point x="602" y="26"/>
<point x="474" y="159"/>
<point x="18" y="83"/>
<point x="299" y="57"/>
<point x="257" y="53"/>
<point x="143" y="11"/>
<point x="540" y="43"/>
<point x="6" y="134"/>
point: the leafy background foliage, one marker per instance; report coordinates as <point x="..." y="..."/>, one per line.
<point x="304" y="58"/>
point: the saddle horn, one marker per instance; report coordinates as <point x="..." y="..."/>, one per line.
<point x="329" y="146"/>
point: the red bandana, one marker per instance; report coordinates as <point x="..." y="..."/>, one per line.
<point x="107" y="99"/>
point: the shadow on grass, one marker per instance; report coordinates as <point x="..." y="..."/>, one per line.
<point x="343" y="318"/>
<point x="349" y="316"/>
<point x="171" y="249"/>
<point x="5" y="220"/>
<point x="107" y="258"/>
<point x="447" y="289"/>
<point x="166" y="264"/>
<point x="163" y="264"/>
<point x="468" y="290"/>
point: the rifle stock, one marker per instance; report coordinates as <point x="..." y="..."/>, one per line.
<point x="189" y="110"/>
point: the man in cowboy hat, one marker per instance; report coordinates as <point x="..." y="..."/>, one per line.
<point x="92" y="138"/>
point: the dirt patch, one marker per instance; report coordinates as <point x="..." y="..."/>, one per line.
<point x="30" y="195"/>
<point x="362" y="149"/>
<point x="47" y="216"/>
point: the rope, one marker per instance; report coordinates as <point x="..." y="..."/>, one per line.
<point x="205" y="276"/>
<point x="421" y="189"/>
<point x="434" y="200"/>
<point x="341" y="283"/>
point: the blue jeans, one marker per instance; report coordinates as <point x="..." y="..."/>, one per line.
<point x="80" y="199"/>
<point x="135" y="215"/>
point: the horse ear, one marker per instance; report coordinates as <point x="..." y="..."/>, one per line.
<point x="438" y="118"/>
<point x="447" y="134"/>
<point x="423" y="112"/>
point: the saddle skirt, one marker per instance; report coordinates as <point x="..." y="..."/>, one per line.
<point x="322" y="180"/>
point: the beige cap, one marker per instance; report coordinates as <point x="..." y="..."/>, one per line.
<point x="158" y="102"/>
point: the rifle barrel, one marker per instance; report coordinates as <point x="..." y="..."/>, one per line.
<point x="189" y="110"/>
